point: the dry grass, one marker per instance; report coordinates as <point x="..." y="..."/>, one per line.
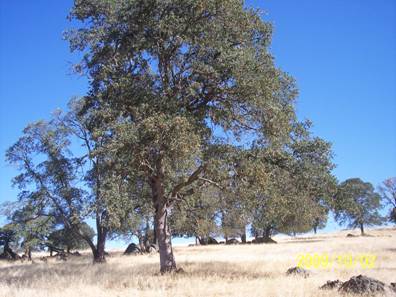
<point x="248" y="270"/>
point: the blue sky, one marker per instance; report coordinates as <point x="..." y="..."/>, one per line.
<point x="342" y="54"/>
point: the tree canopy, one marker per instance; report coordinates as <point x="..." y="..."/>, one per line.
<point x="188" y="123"/>
<point x="357" y="204"/>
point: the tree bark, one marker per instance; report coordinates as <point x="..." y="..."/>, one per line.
<point x="361" y="229"/>
<point x="167" y="260"/>
<point x="99" y="252"/>
<point x="163" y="234"/>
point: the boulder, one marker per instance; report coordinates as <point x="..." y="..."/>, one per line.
<point x="152" y="248"/>
<point x="351" y="235"/>
<point x="132" y="249"/>
<point x="362" y="285"/>
<point x="232" y="241"/>
<point x="211" y="240"/>
<point x="392" y="286"/>
<point x="263" y="240"/>
<point x="335" y="284"/>
<point x="298" y="271"/>
<point x="207" y="240"/>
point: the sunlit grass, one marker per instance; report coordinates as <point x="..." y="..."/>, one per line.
<point x="242" y="270"/>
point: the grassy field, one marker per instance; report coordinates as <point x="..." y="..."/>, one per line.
<point x="240" y="270"/>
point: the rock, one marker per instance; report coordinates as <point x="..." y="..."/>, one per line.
<point x="222" y="242"/>
<point x="153" y="248"/>
<point x="211" y="240"/>
<point x="335" y="284"/>
<point x="362" y="285"/>
<point x="192" y="244"/>
<point x="132" y="249"/>
<point x="392" y="286"/>
<point x="76" y="253"/>
<point x="207" y="240"/>
<point x="351" y="235"/>
<point x="263" y="240"/>
<point x="298" y="271"/>
<point x="232" y="241"/>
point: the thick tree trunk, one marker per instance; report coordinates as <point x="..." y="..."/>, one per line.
<point x="99" y="253"/>
<point x="361" y="229"/>
<point x="167" y="260"/>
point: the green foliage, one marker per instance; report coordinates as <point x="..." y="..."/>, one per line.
<point x="8" y="235"/>
<point x="294" y="194"/>
<point x="357" y="204"/>
<point x="388" y="194"/>
<point x="67" y="239"/>
<point x="197" y="215"/>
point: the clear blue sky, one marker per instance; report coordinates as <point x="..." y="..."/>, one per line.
<point x="342" y="54"/>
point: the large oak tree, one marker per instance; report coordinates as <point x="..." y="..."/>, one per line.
<point x="170" y="78"/>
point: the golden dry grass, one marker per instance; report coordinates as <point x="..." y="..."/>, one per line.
<point x="242" y="270"/>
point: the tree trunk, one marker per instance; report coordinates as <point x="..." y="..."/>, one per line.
<point x="361" y="229"/>
<point x="146" y="239"/>
<point x="28" y="253"/>
<point x="315" y="228"/>
<point x="267" y="232"/>
<point x="155" y="239"/>
<point x="142" y="245"/>
<point x="243" y="237"/>
<point x="167" y="260"/>
<point x="99" y="251"/>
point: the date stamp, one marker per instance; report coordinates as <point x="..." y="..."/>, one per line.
<point x="329" y="261"/>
